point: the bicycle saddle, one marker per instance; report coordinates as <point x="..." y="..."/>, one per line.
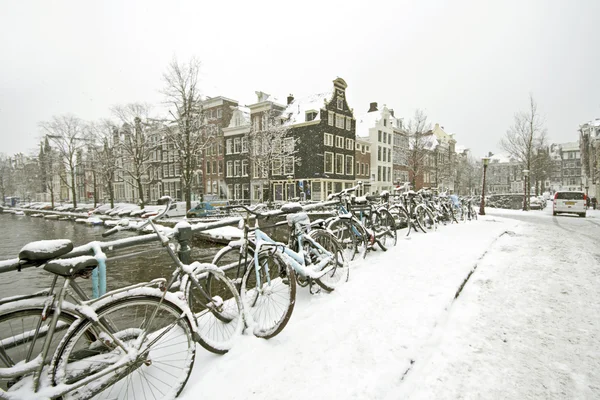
<point x="45" y="249"/>
<point x="72" y="266"/>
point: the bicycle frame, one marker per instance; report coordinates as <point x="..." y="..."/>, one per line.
<point x="296" y="259"/>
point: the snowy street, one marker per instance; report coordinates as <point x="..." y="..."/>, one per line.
<point x="524" y="325"/>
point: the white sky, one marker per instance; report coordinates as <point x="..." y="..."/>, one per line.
<point x="470" y="64"/>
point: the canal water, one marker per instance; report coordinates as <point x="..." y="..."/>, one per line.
<point x="17" y="231"/>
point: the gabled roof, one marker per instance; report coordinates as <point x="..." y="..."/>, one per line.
<point x="295" y="112"/>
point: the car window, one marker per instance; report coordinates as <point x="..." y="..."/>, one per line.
<point x="569" y="196"/>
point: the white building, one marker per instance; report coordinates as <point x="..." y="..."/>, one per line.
<point x="377" y="127"/>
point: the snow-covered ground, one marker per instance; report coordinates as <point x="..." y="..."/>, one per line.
<point x="524" y="325"/>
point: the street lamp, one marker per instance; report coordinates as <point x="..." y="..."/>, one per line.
<point x="525" y="175"/>
<point x="486" y="161"/>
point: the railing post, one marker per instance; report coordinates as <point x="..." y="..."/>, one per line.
<point x="184" y="235"/>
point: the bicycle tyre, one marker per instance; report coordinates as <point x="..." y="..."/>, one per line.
<point x="221" y="322"/>
<point x="387" y="235"/>
<point x="16" y="344"/>
<point x="260" y="302"/>
<point x="158" y="354"/>
<point x="341" y="271"/>
<point x="425" y="218"/>
<point x="342" y="230"/>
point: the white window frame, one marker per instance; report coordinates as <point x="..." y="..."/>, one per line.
<point x="229" y="169"/>
<point x="339" y="171"/>
<point x="340" y="103"/>
<point x="228" y="146"/>
<point x="288" y="145"/>
<point x="328" y="139"/>
<point x="339" y="121"/>
<point x="277" y="166"/>
<point x="244" y="145"/>
<point x="244" y="167"/>
<point x="219" y="113"/>
<point x="288" y="165"/>
<point x="339" y="142"/>
<point x="350" y="161"/>
<point x="330" y="118"/>
<point x="349" y="144"/>
<point x="326" y="155"/>
<point x="237" y="168"/>
<point x="348" y="123"/>
<point x="237" y="145"/>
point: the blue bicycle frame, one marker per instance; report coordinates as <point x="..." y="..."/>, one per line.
<point x="296" y="259"/>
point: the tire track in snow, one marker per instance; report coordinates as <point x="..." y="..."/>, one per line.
<point x="458" y="292"/>
<point x="555" y="220"/>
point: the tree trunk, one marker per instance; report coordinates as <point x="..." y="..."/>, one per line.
<point x="95" y="190"/>
<point x="140" y="192"/>
<point x="73" y="191"/>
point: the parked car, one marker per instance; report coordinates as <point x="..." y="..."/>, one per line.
<point x="569" y="202"/>
<point x="535" y="203"/>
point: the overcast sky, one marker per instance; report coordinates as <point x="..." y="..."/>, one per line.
<point x="470" y="64"/>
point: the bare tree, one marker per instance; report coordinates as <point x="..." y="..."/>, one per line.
<point x="136" y="149"/>
<point x="68" y="135"/>
<point x="468" y="174"/>
<point x="6" y="177"/>
<point x="523" y="138"/>
<point x="418" y="144"/>
<point x="187" y="130"/>
<point x="104" y="156"/>
<point x="273" y="150"/>
<point x="50" y="166"/>
<point x="542" y="164"/>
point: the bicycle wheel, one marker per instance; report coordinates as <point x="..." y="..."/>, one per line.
<point x="228" y="259"/>
<point x="342" y="230"/>
<point x="420" y="218"/>
<point x="361" y="236"/>
<point x="340" y="272"/>
<point x="385" y="229"/>
<point x="425" y="218"/>
<point x="268" y="307"/>
<point x="18" y="340"/>
<point x="159" y="368"/>
<point x="218" y="309"/>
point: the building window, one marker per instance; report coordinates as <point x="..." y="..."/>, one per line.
<point x="229" y="191"/>
<point x="340" y="104"/>
<point x="237" y="146"/>
<point x="328" y="162"/>
<point x="288" y="145"/>
<point x="384" y="122"/>
<point x="244" y="145"/>
<point x="255" y="124"/>
<point x="229" y="146"/>
<point x="237" y="192"/>
<point x="244" y="167"/>
<point x="220" y="167"/>
<point x="265" y="121"/>
<point x="349" y="144"/>
<point x="339" y="164"/>
<point x="277" y="164"/>
<point x="328" y="139"/>
<point x="358" y="171"/>
<point x="348" y="123"/>
<point x="219" y="113"/>
<point x="330" y="118"/>
<point x="339" y="142"/>
<point x="229" y="168"/>
<point x="208" y="163"/>
<point x="378" y="153"/>
<point x="311" y="115"/>
<point x="367" y="169"/>
<point x="379" y="136"/>
<point x="339" y="121"/>
<point x="379" y="173"/>
<point x="288" y="166"/>
<point x="349" y="165"/>
<point x="236" y="168"/>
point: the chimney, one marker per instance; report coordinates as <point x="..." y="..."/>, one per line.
<point x="392" y="112"/>
<point x="372" y="107"/>
<point x="290" y="98"/>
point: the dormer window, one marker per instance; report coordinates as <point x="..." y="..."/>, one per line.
<point x="311" y="115"/>
<point x="340" y="104"/>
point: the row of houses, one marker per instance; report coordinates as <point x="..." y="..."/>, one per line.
<point x="563" y="171"/>
<point x="325" y="146"/>
<point x="589" y="146"/>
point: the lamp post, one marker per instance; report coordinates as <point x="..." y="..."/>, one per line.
<point x="486" y="161"/>
<point x="289" y="187"/>
<point x="525" y="175"/>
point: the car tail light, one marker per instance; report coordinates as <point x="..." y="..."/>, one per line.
<point x="555" y="195"/>
<point x="584" y="197"/>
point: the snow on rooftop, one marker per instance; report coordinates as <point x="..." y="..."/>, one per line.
<point x="295" y="113"/>
<point x="570" y="146"/>
<point x="429" y="142"/>
<point x="459" y="149"/>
